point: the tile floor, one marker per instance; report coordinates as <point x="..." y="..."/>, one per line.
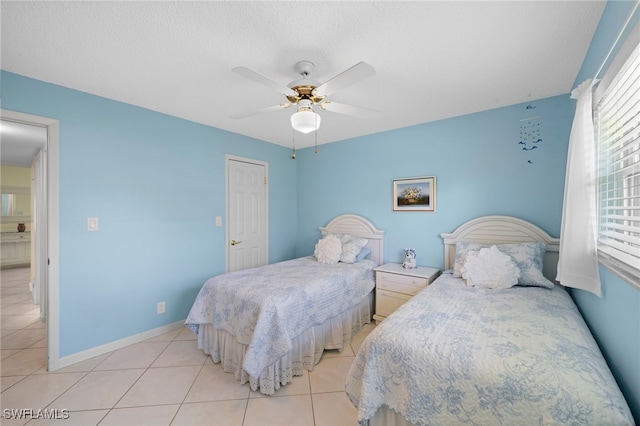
<point x="161" y="381"/>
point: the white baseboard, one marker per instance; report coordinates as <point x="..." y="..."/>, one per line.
<point x="118" y="344"/>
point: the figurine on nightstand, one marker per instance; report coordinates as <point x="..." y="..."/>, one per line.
<point x="409" y="259"/>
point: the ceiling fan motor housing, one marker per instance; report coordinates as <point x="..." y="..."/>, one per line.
<point x="305" y="92"/>
<point x="304" y="86"/>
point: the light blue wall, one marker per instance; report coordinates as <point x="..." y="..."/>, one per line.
<point x="479" y="165"/>
<point x="614" y="319"/>
<point x="156" y="183"/>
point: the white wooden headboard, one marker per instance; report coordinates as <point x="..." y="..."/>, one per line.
<point x="358" y="226"/>
<point x="501" y="230"/>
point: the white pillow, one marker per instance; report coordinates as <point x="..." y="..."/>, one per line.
<point x="351" y="247"/>
<point x="328" y="250"/>
<point x="490" y="268"/>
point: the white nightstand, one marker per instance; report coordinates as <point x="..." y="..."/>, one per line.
<point x="395" y="285"/>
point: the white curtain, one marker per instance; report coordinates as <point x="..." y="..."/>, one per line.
<point x="578" y="262"/>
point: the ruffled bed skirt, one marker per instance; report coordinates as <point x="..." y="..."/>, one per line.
<point x="385" y="416"/>
<point x="307" y="349"/>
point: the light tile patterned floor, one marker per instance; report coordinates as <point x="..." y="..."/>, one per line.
<point x="162" y="381"/>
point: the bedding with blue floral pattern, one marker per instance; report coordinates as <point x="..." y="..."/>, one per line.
<point x="267" y="307"/>
<point x="455" y="354"/>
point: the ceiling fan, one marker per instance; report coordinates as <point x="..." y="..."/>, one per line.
<point x="307" y="93"/>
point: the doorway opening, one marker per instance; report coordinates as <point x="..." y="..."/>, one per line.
<point x="45" y="219"/>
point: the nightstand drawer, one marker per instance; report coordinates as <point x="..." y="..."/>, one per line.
<point x="400" y="283"/>
<point x="395" y="285"/>
<point x="388" y="301"/>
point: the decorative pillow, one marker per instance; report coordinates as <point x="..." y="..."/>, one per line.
<point x="328" y="250"/>
<point x="527" y="256"/>
<point x="490" y="268"/>
<point x="364" y="253"/>
<point x="351" y="246"/>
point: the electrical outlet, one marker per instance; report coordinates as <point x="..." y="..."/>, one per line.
<point x="161" y="308"/>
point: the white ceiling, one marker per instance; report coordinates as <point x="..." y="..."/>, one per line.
<point x="433" y="59"/>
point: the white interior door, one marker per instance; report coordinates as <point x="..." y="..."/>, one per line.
<point x="247" y="223"/>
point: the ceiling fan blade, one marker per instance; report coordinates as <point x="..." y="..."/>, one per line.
<point x="260" y="111"/>
<point x="356" y="73"/>
<point x="352" y="110"/>
<point x="263" y="79"/>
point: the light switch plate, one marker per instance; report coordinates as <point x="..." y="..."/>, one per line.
<point x="218" y="220"/>
<point x="92" y="224"/>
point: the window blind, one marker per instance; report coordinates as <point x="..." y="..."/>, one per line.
<point x="617" y="128"/>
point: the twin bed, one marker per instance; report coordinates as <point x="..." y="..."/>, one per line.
<point x="505" y="355"/>
<point x="268" y="324"/>
<point x="453" y="354"/>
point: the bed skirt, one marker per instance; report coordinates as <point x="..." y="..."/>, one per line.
<point x="385" y="416"/>
<point x="306" y="352"/>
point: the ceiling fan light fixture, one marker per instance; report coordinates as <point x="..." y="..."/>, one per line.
<point x="305" y="120"/>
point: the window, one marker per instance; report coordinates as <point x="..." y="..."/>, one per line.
<point x="617" y="134"/>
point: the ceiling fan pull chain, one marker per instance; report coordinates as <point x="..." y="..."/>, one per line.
<point x="316" y="132"/>
<point x="293" y="148"/>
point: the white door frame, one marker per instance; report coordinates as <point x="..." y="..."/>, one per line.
<point x="39" y="231"/>
<point x="53" y="212"/>
<point x="227" y="242"/>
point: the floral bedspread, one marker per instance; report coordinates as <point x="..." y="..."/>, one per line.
<point x="455" y="354"/>
<point x="265" y="308"/>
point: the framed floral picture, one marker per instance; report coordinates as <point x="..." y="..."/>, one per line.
<point x="414" y="194"/>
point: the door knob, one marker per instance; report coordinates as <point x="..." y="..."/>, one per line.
<point x="234" y="242"/>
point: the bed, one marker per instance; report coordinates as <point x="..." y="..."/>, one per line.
<point x="487" y="354"/>
<point x="268" y="324"/>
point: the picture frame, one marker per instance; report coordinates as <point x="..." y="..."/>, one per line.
<point x="414" y="194"/>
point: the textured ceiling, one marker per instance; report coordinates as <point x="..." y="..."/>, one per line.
<point x="433" y="60"/>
